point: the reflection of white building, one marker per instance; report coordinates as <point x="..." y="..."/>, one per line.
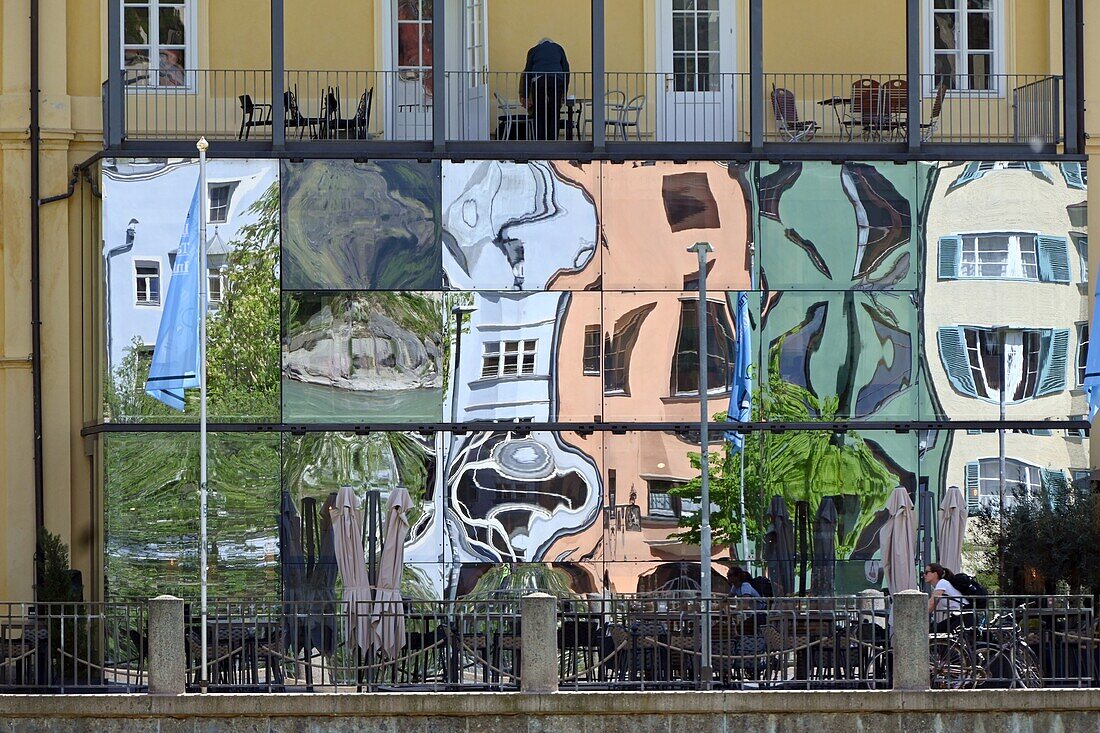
<point x="145" y="207"/>
<point x="1006" y="319"/>
<point x="511" y="494"/>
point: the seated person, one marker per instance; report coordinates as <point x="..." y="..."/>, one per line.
<point x="945" y="602"/>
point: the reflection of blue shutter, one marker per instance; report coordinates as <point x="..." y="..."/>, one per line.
<point x="950" y="257"/>
<point x="1072" y="173"/>
<point x="1053" y="479"/>
<point x="1053" y="259"/>
<point x="973" y="488"/>
<point x="1053" y="358"/>
<point x="955" y="361"/>
<point x="1039" y="171"/>
<point x="970" y="172"/>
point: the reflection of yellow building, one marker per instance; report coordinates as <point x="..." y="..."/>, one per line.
<point x="378" y="46"/>
<point x="1005" y="271"/>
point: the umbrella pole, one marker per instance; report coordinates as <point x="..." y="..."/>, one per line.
<point x="202" y="145"/>
<point x="744" y="519"/>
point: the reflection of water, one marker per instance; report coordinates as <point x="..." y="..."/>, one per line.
<point x="316" y="402"/>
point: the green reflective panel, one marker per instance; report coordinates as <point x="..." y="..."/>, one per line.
<point x="831" y="356"/>
<point x="835" y="227"/>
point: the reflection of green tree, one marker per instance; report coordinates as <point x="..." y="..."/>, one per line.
<point x="511" y="581"/>
<point x="803" y="465"/>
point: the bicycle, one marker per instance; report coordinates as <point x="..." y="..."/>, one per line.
<point x="988" y="652"/>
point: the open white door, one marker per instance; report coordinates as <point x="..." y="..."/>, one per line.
<point x="475" y="93"/>
<point x="696" y="87"/>
<point x="409" y="70"/>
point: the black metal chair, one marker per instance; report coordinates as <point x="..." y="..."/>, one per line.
<point x="355" y="127"/>
<point x="253" y="114"/>
<point x="294" y="116"/>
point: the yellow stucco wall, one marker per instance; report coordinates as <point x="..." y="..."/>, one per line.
<point x="834" y="37"/>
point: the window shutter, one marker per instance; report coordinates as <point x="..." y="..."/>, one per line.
<point x="1039" y="171"/>
<point x="973" y="489"/>
<point x="1072" y="173"/>
<point x="970" y="172"/>
<point x="950" y="257"/>
<point x="1052" y="370"/>
<point x="1053" y="259"/>
<point x="1053" y="479"/>
<point x="955" y="361"/>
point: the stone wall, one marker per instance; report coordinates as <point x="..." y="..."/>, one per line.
<point x="983" y="711"/>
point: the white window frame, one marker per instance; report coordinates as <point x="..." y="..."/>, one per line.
<point x="494" y="358"/>
<point x="189" y="45"/>
<point x="928" y="52"/>
<point x="215" y="275"/>
<point x="1031" y="470"/>
<point x="991" y="394"/>
<point x="1015" y="238"/>
<point x="231" y="188"/>
<point x="148" y="303"/>
<point x="1082" y="332"/>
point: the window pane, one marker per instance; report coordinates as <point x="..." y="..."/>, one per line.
<point x="980" y="65"/>
<point x="136" y="60"/>
<point x="945" y="32"/>
<point x="977" y="31"/>
<point x="172" y="65"/>
<point x="945" y="5"/>
<point x="136" y="26"/>
<point x="979" y="4"/>
<point x="946" y="70"/>
<point x="683" y="39"/>
<point x="172" y="26"/>
<point x="708" y="32"/>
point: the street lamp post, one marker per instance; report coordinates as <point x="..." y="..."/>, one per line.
<point x="701" y="249"/>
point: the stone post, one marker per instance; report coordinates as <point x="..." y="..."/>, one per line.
<point x="539" y="643"/>
<point x="167" y="659"/>
<point x="910" y="640"/>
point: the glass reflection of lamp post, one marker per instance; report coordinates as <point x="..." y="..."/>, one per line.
<point x="1003" y="339"/>
<point x="459" y="311"/>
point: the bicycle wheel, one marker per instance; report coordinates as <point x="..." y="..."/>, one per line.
<point x="876" y="670"/>
<point x="951" y="665"/>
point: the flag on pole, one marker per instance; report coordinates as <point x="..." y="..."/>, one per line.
<point x="740" y="409"/>
<point x="1092" y="361"/>
<point x="175" y="364"/>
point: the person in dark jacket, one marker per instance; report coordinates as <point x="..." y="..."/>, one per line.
<point x="543" y="86"/>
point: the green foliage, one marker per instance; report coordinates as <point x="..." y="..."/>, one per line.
<point x="805" y="465"/>
<point x="55" y="584"/>
<point x="510" y="581"/>
<point x="1049" y="541"/>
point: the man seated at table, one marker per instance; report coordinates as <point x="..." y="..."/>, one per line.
<point x="543" y="86"/>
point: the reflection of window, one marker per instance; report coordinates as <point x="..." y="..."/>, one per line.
<point x="1076" y="174"/>
<point x="219" y="202"/>
<point x="1082" y="351"/>
<point x="215" y="283"/>
<point x="964" y="35"/>
<point x="156" y="42"/>
<point x="1080" y="477"/>
<point x="508" y="358"/>
<point x="591" y="358"/>
<point x="146" y="282"/>
<point x="414" y="40"/>
<point x="1033" y="363"/>
<point x="689" y="203"/>
<point x="685" y="365"/>
<point x="1082" y="243"/>
<point x="1077" y="432"/>
<point x="1019" y="256"/>
<point x="974" y="171"/>
<point x="983" y="480"/>
<point x="664" y="505"/>
<point x="619" y="347"/>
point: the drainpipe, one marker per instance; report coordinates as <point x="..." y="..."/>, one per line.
<point x="36" y="300"/>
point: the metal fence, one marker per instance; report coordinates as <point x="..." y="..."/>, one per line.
<point x="511" y="105"/>
<point x="989" y="108"/>
<point x="1015" y="642"/>
<point x="73" y="647"/>
<point x="359" y="105"/>
<point x="222" y="104"/>
<point x="655" y="642"/>
<point x="335" y="646"/>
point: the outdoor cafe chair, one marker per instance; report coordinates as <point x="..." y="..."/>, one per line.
<point x="928" y="129"/>
<point x="253" y="114"/>
<point x="865" y="107"/>
<point x="294" y="116"/>
<point x="627" y="116"/>
<point x="511" y="119"/>
<point x="354" y="127"/>
<point x="786" y="117"/>
<point x="614" y="99"/>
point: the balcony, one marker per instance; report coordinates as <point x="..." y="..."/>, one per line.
<point x="371" y="108"/>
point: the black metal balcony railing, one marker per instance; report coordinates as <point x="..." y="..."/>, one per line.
<point x="638" y="107"/>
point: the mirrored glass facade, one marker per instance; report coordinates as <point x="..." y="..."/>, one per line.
<point x="518" y="345"/>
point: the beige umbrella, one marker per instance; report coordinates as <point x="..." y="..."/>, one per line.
<point x="388" y="611"/>
<point x="897" y="539"/>
<point x="952" y="529"/>
<point x="347" y="528"/>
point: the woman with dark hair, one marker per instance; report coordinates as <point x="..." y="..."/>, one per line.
<point x="944" y="597"/>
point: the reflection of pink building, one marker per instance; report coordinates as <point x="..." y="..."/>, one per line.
<point x="641" y="359"/>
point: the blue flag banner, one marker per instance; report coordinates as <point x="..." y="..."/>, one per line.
<point x="1092" y="362"/>
<point x="175" y="364"/>
<point x="740" y="409"/>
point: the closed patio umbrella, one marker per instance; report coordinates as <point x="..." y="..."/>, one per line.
<point x="387" y="612"/>
<point x="898" y="540"/>
<point x="823" y="579"/>
<point x="779" y="547"/>
<point x="292" y="564"/>
<point x="347" y="528"/>
<point x="952" y="529"/>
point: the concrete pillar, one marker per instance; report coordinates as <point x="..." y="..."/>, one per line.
<point x="167" y="659"/>
<point x="539" y="643"/>
<point x="910" y="640"/>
